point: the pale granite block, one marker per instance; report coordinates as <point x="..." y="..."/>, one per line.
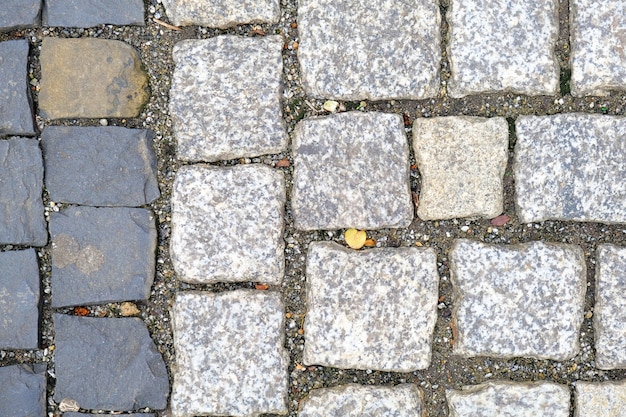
<point x="600" y="399"/>
<point x="222" y="13"/>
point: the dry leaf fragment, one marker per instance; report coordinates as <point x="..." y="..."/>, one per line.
<point x="370" y="243"/>
<point x="300" y="367"/>
<point x="164" y="24"/>
<point x="283" y="163"/>
<point x="258" y="31"/>
<point x="261" y="287"/>
<point x="81" y="311"/>
<point x="355" y="238"/>
<point x="500" y="220"/>
<point x="128" y="309"/>
<point x="416" y="199"/>
<point x="300" y="331"/>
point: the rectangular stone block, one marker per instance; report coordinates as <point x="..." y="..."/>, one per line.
<point x="350" y="50"/>
<point x="90" y="13"/>
<point x="462" y="162"/>
<point x="600" y="399"/>
<point x="351" y="170"/>
<point x="19" y="13"/>
<point x="373" y="309"/>
<point x="227" y="224"/>
<point x="570" y="167"/>
<point x="230" y="359"/>
<point x="23" y="390"/>
<point x="519" y="300"/>
<point x="499" y="45"/>
<point x="16" y="117"/>
<point x="610" y="309"/>
<point x="222" y="13"/>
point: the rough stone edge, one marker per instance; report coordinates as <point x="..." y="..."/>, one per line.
<point x="29" y="97"/>
<point x="457" y="298"/>
<point x="178" y="20"/>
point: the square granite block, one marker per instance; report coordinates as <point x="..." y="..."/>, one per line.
<point x="102" y="255"/>
<point x="373" y="309"/>
<point x="222" y="13"/>
<point x="226" y="98"/>
<point x="570" y="167"/>
<point x="499" y="45"/>
<point x="610" y="309"/>
<point x="351" y="170"/>
<point x="462" y="162"/>
<point x="90" y="13"/>
<point x="350" y="50"/>
<point x="600" y="399"/>
<point x="517" y="300"/>
<point x="509" y="399"/>
<point x="598" y="44"/>
<point x="23" y="390"/>
<point x="16" y="116"/>
<point x="22" y="219"/>
<point x="230" y="359"/>
<point x="227" y="224"/>
<point x="19" y="13"/>
<point x="19" y="300"/>
<point x="100" y="166"/>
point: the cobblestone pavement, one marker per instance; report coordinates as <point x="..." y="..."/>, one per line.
<point x="177" y="178"/>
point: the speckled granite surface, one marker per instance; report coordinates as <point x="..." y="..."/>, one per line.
<point x="225" y="98"/>
<point x="354" y="400"/>
<point x="351" y="170"/>
<point x="500" y="399"/>
<point x="570" y="167"/>
<point x="222" y="13"/>
<point x="387" y="327"/>
<point x="498" y="45"/>
<point x="227" y="224"/>
<point x="598" y="44"/>
<point x="350" y="50"/>
<point x="517" y="300"/>
<point x="600" y="399"/>
<point x="230" y="359"/>
<point x="610" y="309"/>
<point x="462" y="162"/>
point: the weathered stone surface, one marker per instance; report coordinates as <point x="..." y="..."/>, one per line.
<point x="610" y="309"/>
<point x="227" y="224"/>
<point x="108" y="364"/>
<point x="462" y="162"/>
<point x="351" y="170"/>
<point x="222" y="13"/>
<point x="90" y="78"/>
<point x="16" y="116"/>
<point x="23" y="390"/>
<point x="226" y="98"/>
<point x="518" y="300"/>
<point x="389" y="326"/>
<point x="350" y="50"/>
<point x="354" y="400"/>
<point x="72" y="414"/>
<point x="100" y="166"/>
<point x="597" y="44"/>
<point x="21" y="206"/>
<point x="215" y="376"/>
<point x="19" y="300"/>
<point x="499" y="46"/>
<point x="89" y="13"/>
<point x="102" y="255"/>
<point x="570" y="167"/>
<point x="19" y="13"/>
<point x="600" y="399"/>
<point x="510" y="399"/>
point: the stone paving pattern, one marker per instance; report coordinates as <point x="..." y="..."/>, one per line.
<point x="16" y="117"/>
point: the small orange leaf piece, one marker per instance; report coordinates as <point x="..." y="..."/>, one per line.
<point x="370" y="243"/>
<point x="301" y="331"/>
<point x="300" y="367"/>
<point x="261" y="287"/>
<point x="355" y="238"/>
<point x="283" y="163"/>
<point x="81" y="311"/>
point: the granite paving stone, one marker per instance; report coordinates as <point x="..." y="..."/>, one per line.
<point x="389" y="326"/>
<point x="22" y="219"/>
<point x="19" y="300"/>
<point x="102" y="255"/>
<point x="351" y="170"/>
<point x="18" y="14"/>
<point x="16" y="117"/>
<point x="600" y="399"/>
<point x="509" y="399"/>
<point x="73" y="414"/>
<point x="23" y="390"/>
<point x="496" y="46"/>
<point x="222" y="13"/>
<point x="100" y="166"/>
<point x="227" y="224"/>
<point x="225" y="98"/>
<point x="215" y="375"/>
<point x="91" y="78"/>
<point x="90" y="13"/>
<point x="598" y="44"/>
<point x="354" y="400"/>
<point x="570" y="167"/>
<point x="462" y="162"/>
<point x="610" y="309"/>
<point x="517" y="300"/>
<point x="108" y="364"/>
<point x="350" y="50"/>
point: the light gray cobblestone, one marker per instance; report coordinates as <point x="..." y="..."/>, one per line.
<point x="600" y="399"/>
<point x="222" y="13"/>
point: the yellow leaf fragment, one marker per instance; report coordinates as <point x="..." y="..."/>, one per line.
<point x="355" y="238"/>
